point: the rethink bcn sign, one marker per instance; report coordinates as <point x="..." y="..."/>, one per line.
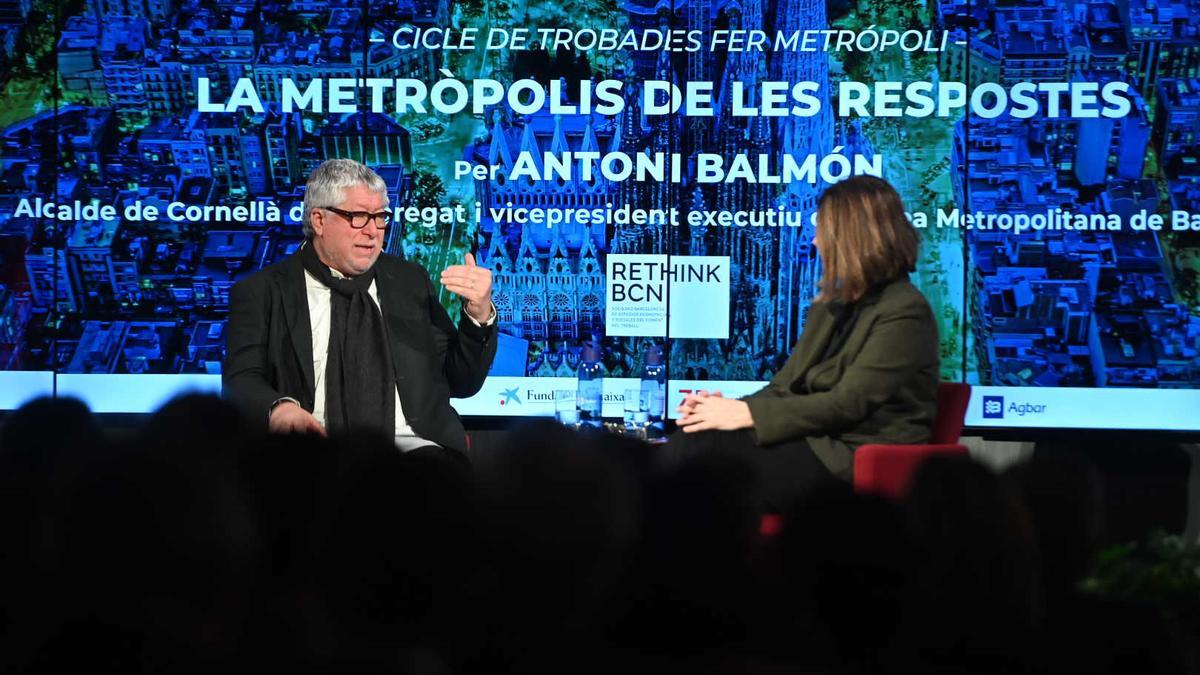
<point x="651" y="295"/>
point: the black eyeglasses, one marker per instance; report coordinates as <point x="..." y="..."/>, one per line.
<point x="359" y="219"/>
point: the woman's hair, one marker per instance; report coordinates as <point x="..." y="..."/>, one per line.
<point x="866" y="239"/>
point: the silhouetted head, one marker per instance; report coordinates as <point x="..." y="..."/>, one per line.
<point x="1063" y="494"/>
<point x="38" y="432"/>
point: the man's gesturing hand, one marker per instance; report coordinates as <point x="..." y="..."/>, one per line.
<point x="289" y="418"/>
<point x="473" y="284"/>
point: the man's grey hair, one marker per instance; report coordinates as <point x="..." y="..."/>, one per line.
<point x="328" y="184"/>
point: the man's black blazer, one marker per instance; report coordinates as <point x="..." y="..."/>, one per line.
<point x="269" y="346"/>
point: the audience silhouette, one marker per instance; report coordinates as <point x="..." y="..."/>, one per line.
<point x="199" y="544"/>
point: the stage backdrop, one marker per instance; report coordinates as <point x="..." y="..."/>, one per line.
<point x="636" y="172"/>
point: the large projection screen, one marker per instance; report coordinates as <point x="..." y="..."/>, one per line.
<point x="639" y="173"/>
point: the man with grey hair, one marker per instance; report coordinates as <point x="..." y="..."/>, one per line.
<point x="341" y="337"/>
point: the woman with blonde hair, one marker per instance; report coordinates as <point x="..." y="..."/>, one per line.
<point x="865" y="369"/>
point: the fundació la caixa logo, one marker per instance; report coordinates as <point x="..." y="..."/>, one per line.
<point x="993" y="407"/>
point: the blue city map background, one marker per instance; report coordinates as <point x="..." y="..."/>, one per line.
<point x="100" y="104"/>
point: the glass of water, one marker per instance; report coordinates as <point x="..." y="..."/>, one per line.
<point x="637" y="408"/>
<point x="656" y="410"/>
<point x="565" y="411"/>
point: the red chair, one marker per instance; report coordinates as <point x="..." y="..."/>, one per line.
<point x="887" y="469"/>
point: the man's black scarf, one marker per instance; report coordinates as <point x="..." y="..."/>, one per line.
<point x="360" y="389"/>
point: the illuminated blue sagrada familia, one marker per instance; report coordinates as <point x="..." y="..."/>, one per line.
<point x="550" y="280"/>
